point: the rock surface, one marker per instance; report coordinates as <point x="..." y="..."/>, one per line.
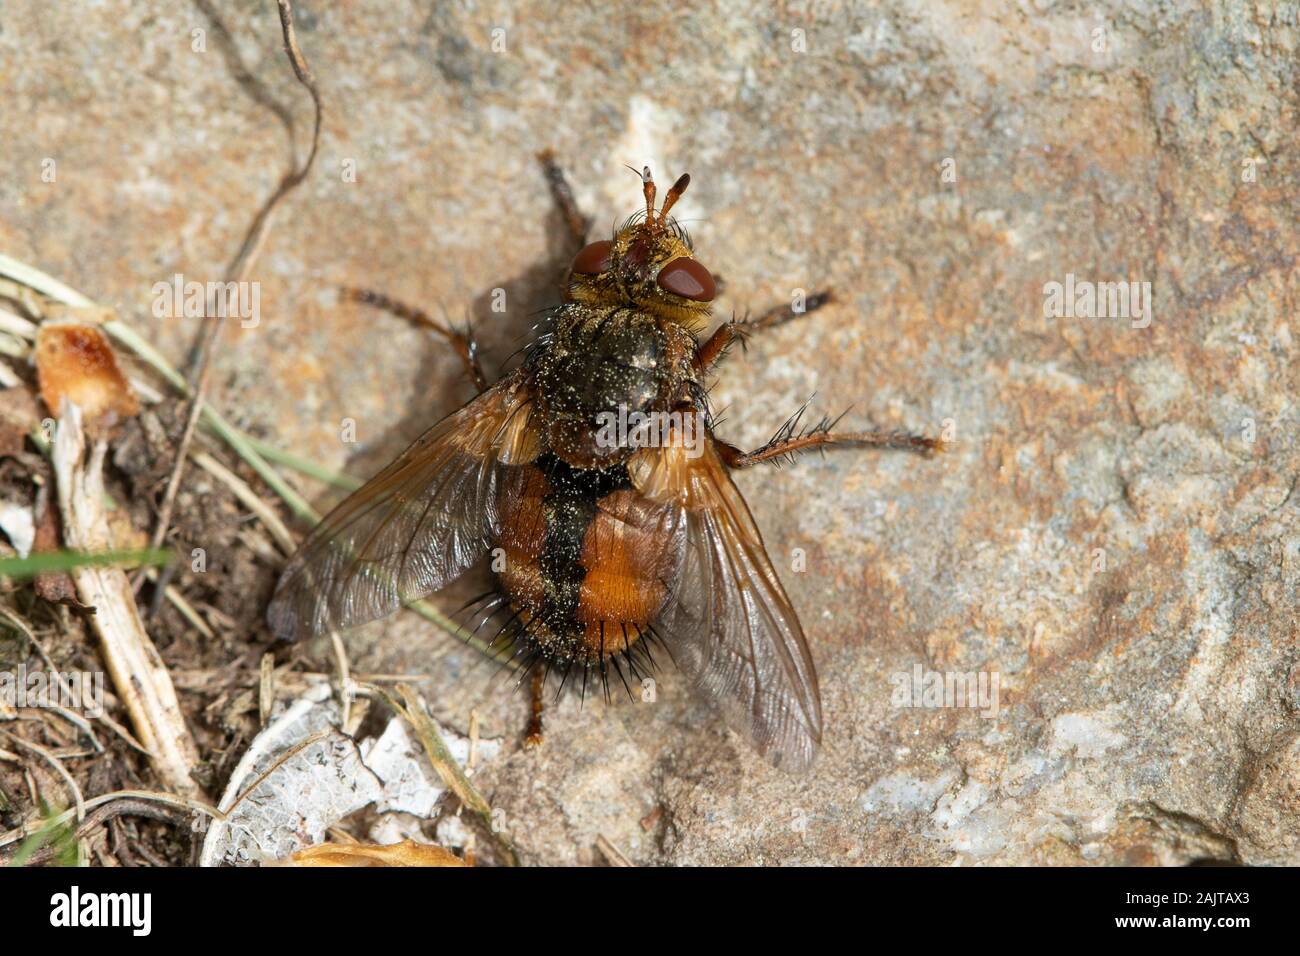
<point x="1117" y="532"/>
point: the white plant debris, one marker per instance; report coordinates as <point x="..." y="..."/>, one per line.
<point x="19" y="527"/>
<point x="302" y="775"/>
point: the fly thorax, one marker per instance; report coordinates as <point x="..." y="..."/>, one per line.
<point x="603" y="373"/>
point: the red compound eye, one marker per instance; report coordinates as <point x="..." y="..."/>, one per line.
<point x="688" y="279"/>
<point x="593" y="259"/>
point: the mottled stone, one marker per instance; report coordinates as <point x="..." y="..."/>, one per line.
<point x="1117" y="532"/>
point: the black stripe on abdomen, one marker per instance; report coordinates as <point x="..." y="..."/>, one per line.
<point x="568" y="511"/>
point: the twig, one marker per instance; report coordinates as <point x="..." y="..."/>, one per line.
<point x="167" y="799"/>
<point x="77" y="721"/>
<point x="237" y="440"/>
<point x="611" y="853"/>
<point x="18" y="623"/>
<point x="137" y="670"/>
<point x="100" y="816"/>
<point x="32" y="278"/>
<point x="248" y="252"/>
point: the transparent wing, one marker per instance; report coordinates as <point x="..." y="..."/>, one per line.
<point x="728" y="620"/>
<point x="412" y="528"/>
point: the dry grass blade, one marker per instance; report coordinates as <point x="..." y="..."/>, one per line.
<point x="611" y="853"/>
<point x="138" y="673"/>
<point x="74" y="791"/>
<point x="412" y="711"/>
<point x="239" y="488"/>
<point x="252" y="451"/>
<point x="21" y="626"/>
<point x="184" y="607"/>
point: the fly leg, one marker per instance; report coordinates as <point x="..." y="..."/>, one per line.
<point x="576" y="224"/>
<point x="533" y="736"/>
<point x="790" y="439"/>
<point x="717" y="345"/>
<point x="562" y="193"/>
<point x="462" y="340"/>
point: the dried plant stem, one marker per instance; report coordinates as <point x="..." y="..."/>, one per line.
<point x="74" y="791"/>
<point x="242" y="444"/>
<point x="118" y="330"/>
<point x="139" y="675"/>
<point x="611" y="853"/>
<point x="248" y="448"/>
<point x="183" y="607"/>
<point x="16" y="622"/>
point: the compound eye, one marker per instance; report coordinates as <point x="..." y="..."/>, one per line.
<point x="688" y="279"/>
<point x="593" y="259"/>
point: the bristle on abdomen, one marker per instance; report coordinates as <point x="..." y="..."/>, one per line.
<point x="584" y="562"/>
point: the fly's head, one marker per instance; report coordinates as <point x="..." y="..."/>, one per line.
<point x="648" y="264"/>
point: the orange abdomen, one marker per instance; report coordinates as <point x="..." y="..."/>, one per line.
<point x="587" y="560"/>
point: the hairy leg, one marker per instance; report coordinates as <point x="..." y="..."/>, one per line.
<point x="789" y="440"/>
<point x="462" y="341"/>
<point x="562" y="192"/>
<point x="715" y="347"/>
<point x="533" y="735"/>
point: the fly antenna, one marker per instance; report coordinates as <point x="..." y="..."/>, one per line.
<point x="674" y="194"/>
<point x="648" y="187"/>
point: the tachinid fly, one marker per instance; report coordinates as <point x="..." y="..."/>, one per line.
<point x="617" y="542"/>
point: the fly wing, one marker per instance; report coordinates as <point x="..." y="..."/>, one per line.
<point x="727" y="618"/>
<point x="412" y="528"/>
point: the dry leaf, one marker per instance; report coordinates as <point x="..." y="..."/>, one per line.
<point x="76" y="362"/>
<point x="407" y="853"/>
